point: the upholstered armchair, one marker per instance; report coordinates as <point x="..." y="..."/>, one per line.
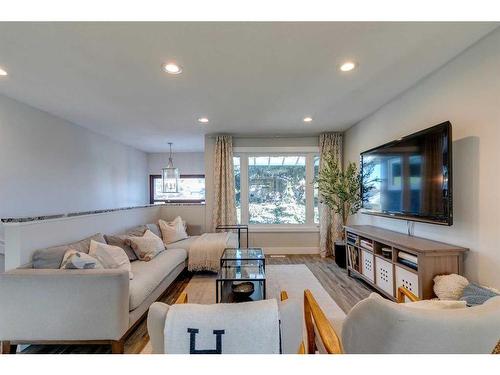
<point x="378" y="326"/>
<point x="267" y="327"/>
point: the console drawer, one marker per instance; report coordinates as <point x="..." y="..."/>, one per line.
<point x="367" y="265"/>
<point x="384" y="275"/>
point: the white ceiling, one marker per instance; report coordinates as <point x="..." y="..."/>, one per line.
<point x="248" y="78"/>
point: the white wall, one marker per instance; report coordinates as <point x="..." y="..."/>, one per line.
<point x="465" y="91"/>
<point x="51" y="166"/>
<point x="22" y="239"/>
<point x="187" y="162"/>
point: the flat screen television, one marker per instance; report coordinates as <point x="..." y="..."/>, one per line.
<point x="410" y="178"/>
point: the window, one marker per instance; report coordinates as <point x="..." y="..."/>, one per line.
<point x="316" y="191"/>
<point x="237" y="186"/>
<point x="276" y="188"/>
<point x="191" y="190"/>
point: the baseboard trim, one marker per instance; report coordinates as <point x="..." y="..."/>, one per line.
<point x="287" y="250"/>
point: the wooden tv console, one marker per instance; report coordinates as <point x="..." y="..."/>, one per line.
<point x="388" y="274"/>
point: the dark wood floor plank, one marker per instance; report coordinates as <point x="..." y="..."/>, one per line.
<point x="346" y="291"/>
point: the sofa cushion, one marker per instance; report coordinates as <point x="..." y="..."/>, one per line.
<point x="148" y="275"/>
<point x="51" y="257"/>
<point x="182" y="244"/>
<point x="120" y="240"/>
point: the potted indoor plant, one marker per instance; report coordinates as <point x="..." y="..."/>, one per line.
<point x="340" y="190"/>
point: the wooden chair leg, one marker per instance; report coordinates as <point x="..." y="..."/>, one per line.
<point x="118" y="347"/>
<point x="311" y="343"/>
<point x="8" y="348"/>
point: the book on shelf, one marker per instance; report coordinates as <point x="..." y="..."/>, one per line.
<point x="366" y="245"/>
<point x="407" y="263"/>
<point x="409" y="257"/>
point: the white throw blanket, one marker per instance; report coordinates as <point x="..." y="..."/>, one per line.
<point x="233" y="328"/>
<point x="205" y="252"/>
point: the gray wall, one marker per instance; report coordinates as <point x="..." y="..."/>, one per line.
<point x="465" y="91"/>
<point x="49" y="166"/>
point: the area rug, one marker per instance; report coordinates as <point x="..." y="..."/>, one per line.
<point x="292" y="278"/>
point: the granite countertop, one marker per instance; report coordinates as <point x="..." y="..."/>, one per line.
<point x="72" y="214"/>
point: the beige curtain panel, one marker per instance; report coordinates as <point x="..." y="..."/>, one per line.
<point x="330" y="223"/>
<point x="224" y="200"/>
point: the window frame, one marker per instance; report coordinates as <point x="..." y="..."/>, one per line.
<point x="152" y="178"/>
<point x="244" y="153"/>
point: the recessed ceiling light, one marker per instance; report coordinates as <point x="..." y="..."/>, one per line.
<point x="347" y="66"/>
<point x="307" y="119"/>
<point x="203" y="120"/>
<point x="3" y="72"/>
<point x="172" y="68"/>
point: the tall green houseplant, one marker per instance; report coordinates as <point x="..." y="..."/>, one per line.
<point x="340" y="189"/>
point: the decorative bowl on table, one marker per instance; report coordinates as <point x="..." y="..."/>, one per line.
<point x="243" y="290"/>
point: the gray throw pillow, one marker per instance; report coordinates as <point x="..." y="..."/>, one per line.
<point x="475" y="294"/>
<point x="120" y="241"/>
<point x="154" y="228"/>
<point x="52" y="257"/>
<point x="137" y="231"/>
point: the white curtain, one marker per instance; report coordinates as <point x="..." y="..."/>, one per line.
<point x="224" y="197"/>
<point x="330" y="223"/>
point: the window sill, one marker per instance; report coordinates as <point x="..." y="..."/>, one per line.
<point x="270" y="228"/>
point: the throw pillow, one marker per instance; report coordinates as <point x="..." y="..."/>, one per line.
<point x="52" y="257"/>
<point x="120" y="240"/>
<point x="111" y="257"/>
<point x="76" y="260"/>
<point x="173" y="231"/>
<point x="449" y="287"/>
<point x="147" y="246"/>
<point x="474" y="294"/>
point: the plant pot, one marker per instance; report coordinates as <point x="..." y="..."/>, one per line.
<point x="340" y="254"/>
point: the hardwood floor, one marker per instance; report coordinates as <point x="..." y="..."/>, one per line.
<point x="344" y="290"/>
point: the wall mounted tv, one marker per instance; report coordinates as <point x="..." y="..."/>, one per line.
<point x="410" y="178"/>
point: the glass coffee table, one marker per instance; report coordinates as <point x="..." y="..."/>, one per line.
<point x="239" y="266"/>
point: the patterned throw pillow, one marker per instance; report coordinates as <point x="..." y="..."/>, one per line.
<point x="173" y="231"/>
<point x="147" y="246"/>
<point x="111" y="257"/>
<point x="76" y="260"/>
<point x="475" y="294"/>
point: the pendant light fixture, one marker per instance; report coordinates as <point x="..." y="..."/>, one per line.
<point x="170" y="175"/>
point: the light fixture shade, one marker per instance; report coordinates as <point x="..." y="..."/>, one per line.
<point x="170" y="179"/>
<point x="170" y="176"/>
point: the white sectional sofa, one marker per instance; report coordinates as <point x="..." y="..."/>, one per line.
<point x="44" y="304"/>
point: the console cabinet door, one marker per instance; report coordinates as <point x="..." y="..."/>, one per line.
<point x="367" y="265"/>
<point x="407" y="279"/>
<point x="384" y="276"/>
